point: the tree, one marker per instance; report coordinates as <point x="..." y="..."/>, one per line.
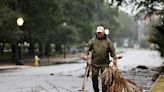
<point x="44" y="22"/>
<point x="147" y="8"/>
<point x="9" y="30"/>
<point x="126" y="30"/>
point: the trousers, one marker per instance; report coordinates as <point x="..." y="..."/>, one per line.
<point x="95" y="74"/>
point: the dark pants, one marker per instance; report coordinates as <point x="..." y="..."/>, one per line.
<point x="95" y="73"/>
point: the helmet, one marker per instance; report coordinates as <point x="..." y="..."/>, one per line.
<point x="100" y="29"/>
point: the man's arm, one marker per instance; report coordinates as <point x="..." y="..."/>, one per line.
<point x="112" y="52"/>
<point x="87" y="49"/>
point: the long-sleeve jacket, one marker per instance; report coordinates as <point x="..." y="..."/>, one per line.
<point x="101" y="49"/>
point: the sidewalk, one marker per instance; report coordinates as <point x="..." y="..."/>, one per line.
<point x="158" y="85"/>
<point x="5" y="67"/>
<point x="29" y="62"/>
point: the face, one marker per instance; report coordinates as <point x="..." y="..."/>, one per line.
<point x="100" y="34"/>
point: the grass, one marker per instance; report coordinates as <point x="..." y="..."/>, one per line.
<point x="159" y="86"/>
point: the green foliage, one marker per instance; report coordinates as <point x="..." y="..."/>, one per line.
<point x="147" y="8"/>
<point x="127" y="28"/>
<point x="44" y="21"/>
<point x="157" y="37"/>
<point x="8" y="27"/>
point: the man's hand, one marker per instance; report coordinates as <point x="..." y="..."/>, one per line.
<point x="114" y="62"/>
<point x="84" y="57"/>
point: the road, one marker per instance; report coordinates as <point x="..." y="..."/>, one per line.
<point x="68" y="77"/>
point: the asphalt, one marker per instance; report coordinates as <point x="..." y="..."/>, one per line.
<point x="71" y="58"/>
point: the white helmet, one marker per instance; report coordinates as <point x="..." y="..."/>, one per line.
<point x="100" y="29"/>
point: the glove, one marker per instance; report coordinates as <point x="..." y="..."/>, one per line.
<point x="114" y="62"/>
<point x="84" y="57"/>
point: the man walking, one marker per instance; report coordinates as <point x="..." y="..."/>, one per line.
<point x="101" y="47"/>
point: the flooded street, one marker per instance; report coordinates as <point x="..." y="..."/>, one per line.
<point x="43" y="42"/>
<point x="68" y="77"/>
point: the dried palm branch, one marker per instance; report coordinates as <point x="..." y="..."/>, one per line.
<point x="114" y="82"/>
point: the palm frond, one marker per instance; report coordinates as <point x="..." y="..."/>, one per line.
<point x="114" y="82"/>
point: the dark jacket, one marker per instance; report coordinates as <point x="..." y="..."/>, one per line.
<point x="101" y="49"/>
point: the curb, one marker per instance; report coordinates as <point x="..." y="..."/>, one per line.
<point x="13" y="67"/>
<point x="154" y="84"/>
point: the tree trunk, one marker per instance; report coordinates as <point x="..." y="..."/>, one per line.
<point x="47" y="49"/>
<point x="2" y="48"/>
<point x="31" y="49"/>
<point x="58" y="48"/>
<point x="40" y="53"/>
<point x="15" y="52"/>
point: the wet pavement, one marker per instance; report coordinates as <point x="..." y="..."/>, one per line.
<point x="142" y="77"/>
<point x="68" y="77"/>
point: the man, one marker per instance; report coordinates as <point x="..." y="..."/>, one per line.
<point x="101" y="47"/>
